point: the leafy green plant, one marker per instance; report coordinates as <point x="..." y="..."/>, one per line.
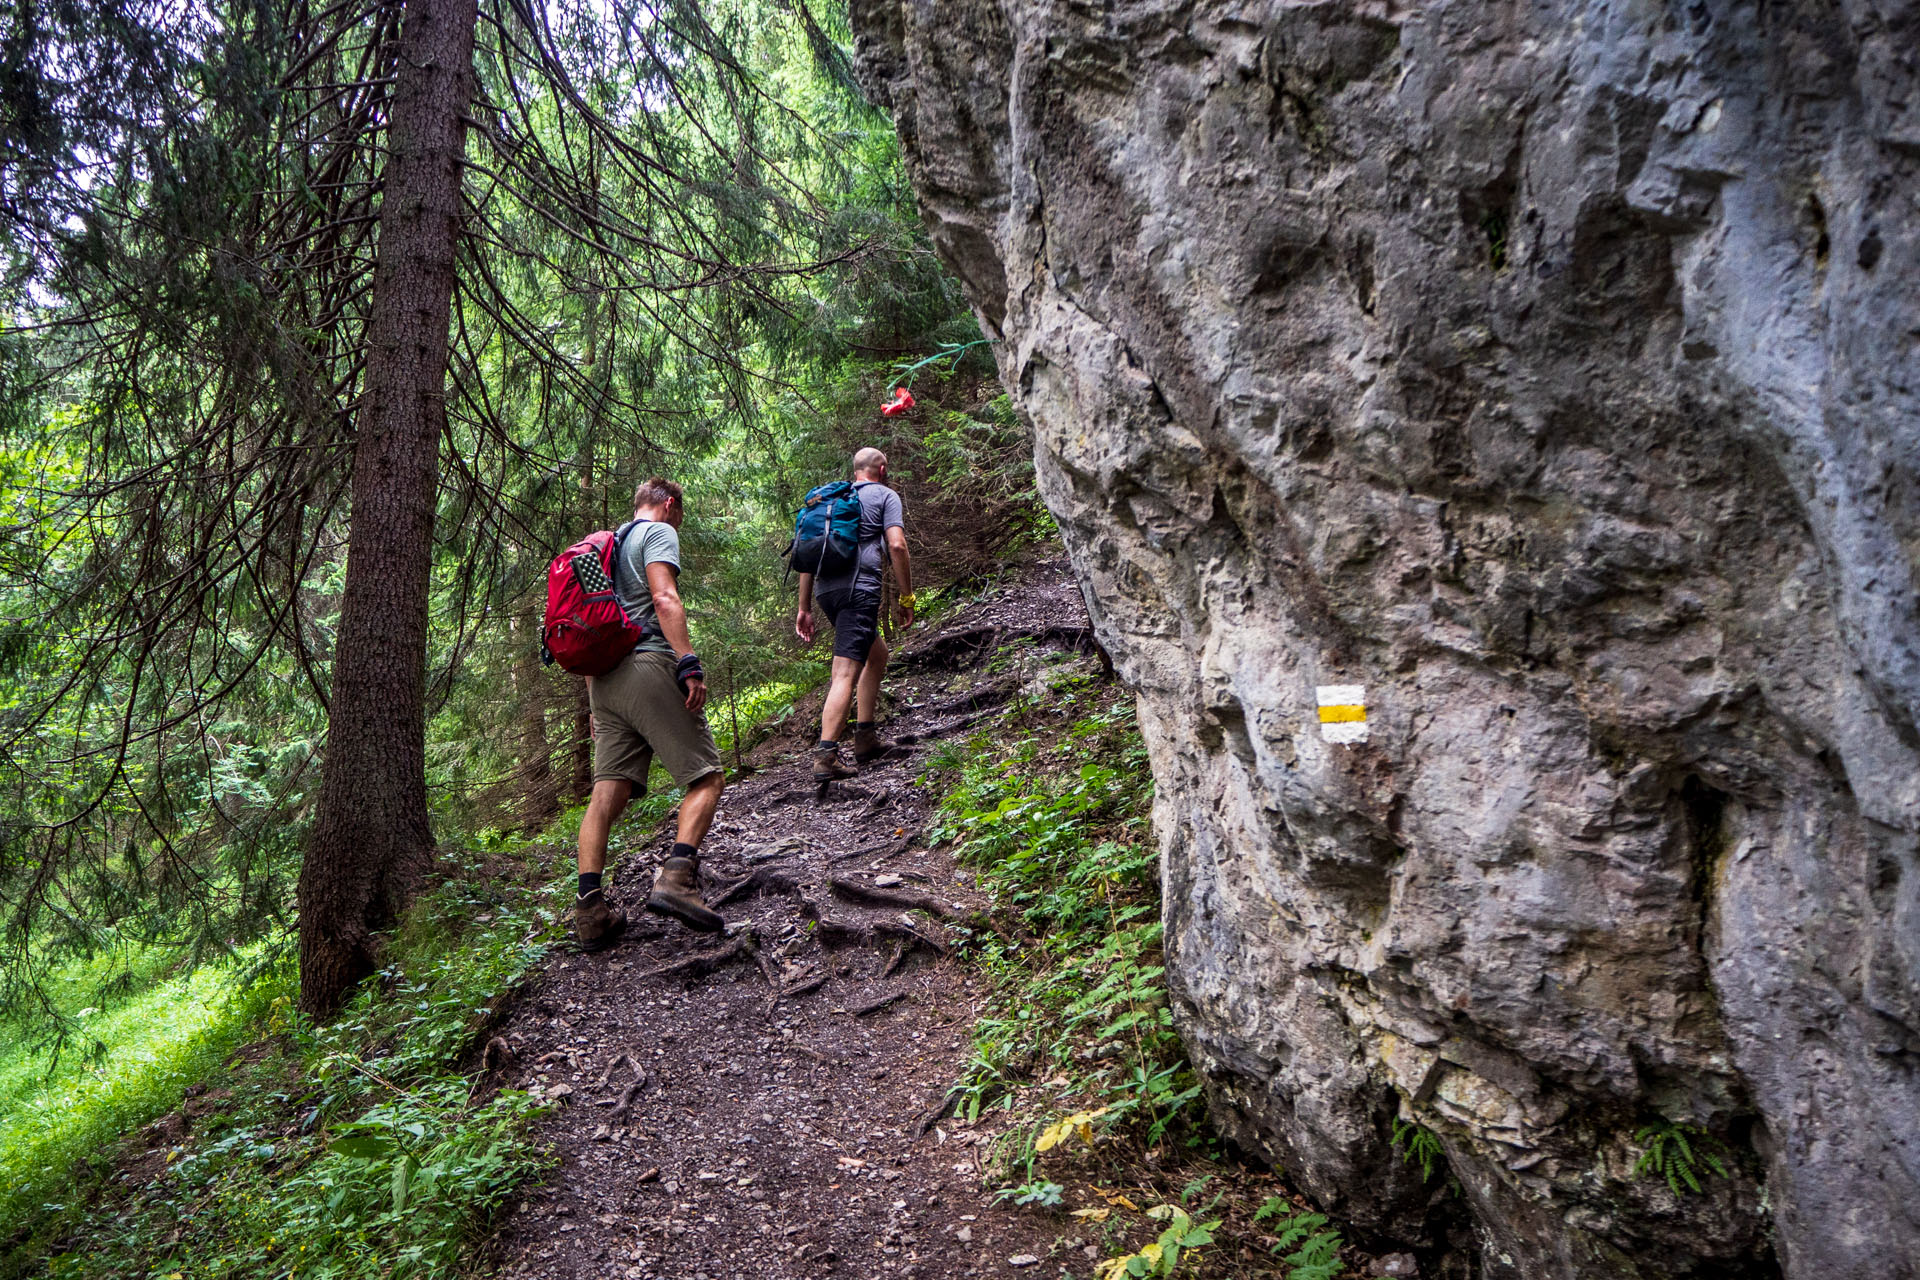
<point x="1310" y="1250"/>
<point x="1676" y="1152"/>
<point x="1419" y="1145"/>
<point x="359" y="1148"/>
<point x="1060" y="840"/>
<point x="1038" y="1191"/>
<point x="1163" y="1256"/>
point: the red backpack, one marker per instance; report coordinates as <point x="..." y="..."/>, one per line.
<point x="587" y="632"/>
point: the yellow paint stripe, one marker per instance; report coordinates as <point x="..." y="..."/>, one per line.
<point x="1337" y="715"/>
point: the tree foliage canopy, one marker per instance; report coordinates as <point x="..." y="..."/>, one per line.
<point x="687" y="246"/>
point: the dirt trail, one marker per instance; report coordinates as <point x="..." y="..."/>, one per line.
<point x="768" y="1104"/>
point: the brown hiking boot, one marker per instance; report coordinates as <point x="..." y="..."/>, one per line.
<point x="868" y="745"/>
<point x="827" y="766"/>
<point x="676" y="893"/>
<point x="597" y="925"/>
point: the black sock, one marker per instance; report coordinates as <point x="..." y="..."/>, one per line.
<point x="681" y="850"/>
<point x="825" y="744"/>
<point x="863" y="724"/>
<point x="589" y="881"/>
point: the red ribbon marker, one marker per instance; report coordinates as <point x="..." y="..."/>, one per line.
<point x="901" y="402"/>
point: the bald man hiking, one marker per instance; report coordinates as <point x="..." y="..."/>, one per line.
<point x="848" y="592"/>
<point x="651" y="704"/>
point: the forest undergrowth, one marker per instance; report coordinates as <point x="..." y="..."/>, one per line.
<point x="364" y="1147"/>
<point x="1078" y="1047"/>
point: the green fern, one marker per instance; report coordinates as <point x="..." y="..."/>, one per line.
<point x="1315" y="1250"/>
<point x="1419" y="1144"/>
<point x="1676" y="1152"/>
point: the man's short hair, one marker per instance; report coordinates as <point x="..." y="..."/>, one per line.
<point x="655" y="492"/>
<point x="868" y="459"/>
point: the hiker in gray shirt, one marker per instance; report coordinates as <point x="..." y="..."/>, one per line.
<point x="851" y="600"/>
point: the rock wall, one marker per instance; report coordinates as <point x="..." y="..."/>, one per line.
<point x="1550" y="371"/>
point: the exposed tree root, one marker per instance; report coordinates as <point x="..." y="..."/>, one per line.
<point x="935" y="1114"/>
<point x="875" y="1006"/>
<point x="890" y="848"/>
<point x="777" y="878"/>
<point x="907" y="899"/>
<point x="613" y="1064"/>
<point x="628" y="1096"/>
<point x="981" y="699"/>
<point x="901" y="929"/>
<point x="706" y="962"/>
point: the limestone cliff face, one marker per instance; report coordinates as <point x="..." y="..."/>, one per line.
<point x="1552" y="371"/>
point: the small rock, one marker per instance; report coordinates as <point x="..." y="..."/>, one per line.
<point x="963" y="1235"/>
<point x="1396" y="1264"/>
<point x="1023" y="1260"/>
<point x="886" y="882"/>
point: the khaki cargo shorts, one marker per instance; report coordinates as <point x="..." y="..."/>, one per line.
<point x="638" y="713"/>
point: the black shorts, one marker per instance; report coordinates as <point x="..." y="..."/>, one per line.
<point x="855" y="616"/>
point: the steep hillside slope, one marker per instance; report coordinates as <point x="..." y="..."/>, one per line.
<point x="1548" y="373"/>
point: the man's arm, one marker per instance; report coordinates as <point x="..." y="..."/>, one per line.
<point x="902" y="574"/>
<point x="803" y="619"/>
<point x="673" y="624"/>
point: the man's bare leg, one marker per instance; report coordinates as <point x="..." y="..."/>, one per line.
<point x="870" y="676"/>
<point x="604" y="807"/>
<point x="840" y="697"/>
<point x="697" y="806"/>
<point x="867" y="744"/>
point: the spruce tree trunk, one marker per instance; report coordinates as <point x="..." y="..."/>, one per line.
<point x="371" y="839"/>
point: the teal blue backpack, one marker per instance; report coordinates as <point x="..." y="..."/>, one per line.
<point x="826" y="530"/>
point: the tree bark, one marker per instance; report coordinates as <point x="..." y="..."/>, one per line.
<point x="371" y="839"/>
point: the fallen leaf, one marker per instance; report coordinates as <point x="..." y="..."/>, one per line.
<point x="1093" y="1215"/>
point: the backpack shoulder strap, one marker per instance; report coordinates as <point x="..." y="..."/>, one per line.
<point x="620" y="561"/>
<point x="620" y="545"/>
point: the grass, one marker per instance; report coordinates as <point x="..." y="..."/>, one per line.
<point x="363" y="1148"/>
<point x="148" y="1046"/>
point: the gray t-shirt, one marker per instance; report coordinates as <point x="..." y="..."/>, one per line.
<point x="880" y="510"/>
<point x="648" y="541"/>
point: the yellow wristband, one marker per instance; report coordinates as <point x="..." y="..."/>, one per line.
<point x="907" y="600"/>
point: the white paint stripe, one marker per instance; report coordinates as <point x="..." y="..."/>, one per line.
<point x="1345" y="731"/>
<point x="1342" y="695"/>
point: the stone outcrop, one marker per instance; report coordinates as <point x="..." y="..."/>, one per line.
<point x="1552" y="371"/>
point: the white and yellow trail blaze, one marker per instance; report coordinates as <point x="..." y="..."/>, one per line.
<point x="1343" y="712"/>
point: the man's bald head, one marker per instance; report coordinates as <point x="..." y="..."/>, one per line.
<point x="870" y="464"/>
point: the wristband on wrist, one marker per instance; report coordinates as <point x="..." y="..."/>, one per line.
<point x="907" y="600"/>
<point x="688" y="668"/>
